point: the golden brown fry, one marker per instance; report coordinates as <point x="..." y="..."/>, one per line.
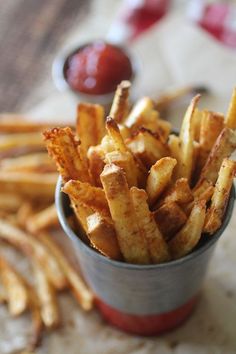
<point x="36" y="318"/>
<point x="220" y="196"/>
<point x="30" y="185"/>
<point x="141" y="110"/>
<point x="230" y="119"/>
<point x="81" y="292"/>
<point x="124" y="131"/>
<point x="133" y="246"/>
<point x="102" y="235"/>
<point x="35" y="251"/>
<point x="42" y="220"/>
<point x="188" y="237"/>
<point x="205" y="195"/>
<point x="96" y="163"/>
<point x="47" y="298"/>
<point x="180" y="193"/>
<point x="120" y="104"/>
<point x="16" y="291"/>
<point x="159" y="178"/>
<point x="223" y="148"/>
<point x="90" y="196"/>
<point x="10" y="202"/>
<point x="115" y="136"/>
<point x="197" y="121"/>
<point x="24" y="212"/>
<point x="63" y="148"/>
<point x="27" y="142"/>
<point x="90" y="126"/>
<point x="157" y="246"/>
<point x="169" y="218"/>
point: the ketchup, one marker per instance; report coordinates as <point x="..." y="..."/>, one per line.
<point x="98" y="68"/>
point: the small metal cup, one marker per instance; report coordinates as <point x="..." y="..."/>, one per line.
<point x="143" y="299"/>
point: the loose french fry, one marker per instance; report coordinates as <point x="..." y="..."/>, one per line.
<point x="96" y="163"/>
<point x="47" y="298"/>
<point x="90" y="126"/>
<point x="10" y="202"/>
<point x="36" y="318"/>
<point x="35" y="251"/>
<point x="180" y="193"/>
<point x="230" y="119"/>
<point x="187" y="238"/>
<point x="16" y="291"/>
<point x="26" y="142"/>
<point x="133" y="246"/>
<point x="223" y="148"/>
<point x="81" y="292"/>
<point x="120" y="105"/>
<point x="30" y="185"/>
<point x="220" y="196"/>
<point x="147" y="146"/>
<point x="24" y="213"/>
<point x="63" y="148"/>
<point x="159" y="178"/>
<point x="42" y="220"/>
<point x="102" y="235"/>
<point x="141" y="109"/>
<point x="157" y="246"/>
<point x="92" y="197"/>
<point x="169" y="218"/>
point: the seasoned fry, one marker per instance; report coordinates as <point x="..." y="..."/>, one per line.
<point x="205" y="195"/>
<point x="180" y="193"/>
<point x="90" y="126"/>
<point x="120" y="105"/>
<point x="42" y="220"/>
<point x="157" y="246"/>
<point x="27" y="142"/>
<point x="114" y="134"/>
<point x="35" y="251"/>
<point x="81" y="292"/>
<point x="133" y="246"/>
<point x="96" y="163"/>
<point x="16" y="291"/>
<point x="230" y="119"/>
<point x="188" y="237"/>
<point x="102" y="236"/>
<point x="159" y="177"/>
<point x="63" y="148"/>
<point x="10" y="202"/>
<point x="220" y="196"/>
<point x="47" y="298"/>
<point x="169" y="218"/>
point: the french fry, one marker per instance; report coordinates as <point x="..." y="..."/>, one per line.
<point x="92" y="197"/>
<point x="16" y="291"/>
<point x="159" y="178"/>
<point x="96" y="163"/>
<point x="115" y="136"/>
<point x="42" y="220"/>
<point x="24" y="213"/>
<point x="3" y="295"/>
<point x="80" y="290"/>
<point x="102" y="235"/>
<point x="35" y="251"/>
<point x="230" y="119"/>
<point x="26" y="142"/>
<point x="147" y="146"/>
<point x="90" y="126"/>
<point x="124" y="131"/>
<point x="205" y="195"/>
<point x="120" y="105"/>
<point x="220" y="196"/>
<point x="169" y="218"/>
<point x="47" y="298"/>
<point x="187" y="238"/>
<point x="10" y="202"/>
<point x="197" y="121"/>
<point x="30" y="185"/>
<point x="36" y="318"/>
<point x="157" y="246"/>
<point x="133" y="246"/>
<point x="141" y="109"/>
<point x="63" y="148"/>
<point x="107" y="143"/>
<point x="180" y="193"/>
<point x="223" y="148"/>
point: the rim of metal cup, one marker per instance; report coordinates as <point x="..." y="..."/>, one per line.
<point x="59" y="64"/>
<point x="62" y="203"/>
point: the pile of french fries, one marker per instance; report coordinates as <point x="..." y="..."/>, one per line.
<point x="27" y="217"/>
<point x="140" y="193"/>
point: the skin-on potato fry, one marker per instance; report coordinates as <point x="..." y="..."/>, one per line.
<point x="96" y="163"/>
<point x="159" y="178"/>
<point x="80" y="290"/>
<point x="157" y="246"/>
<point x="35" y="251"/>
<point x="42" y="220"/>
<point x="133" y="246"/>
<point x="63" y="148"/>
<point x="10" y="202"/>
<point x="230" y="119"/>
<point x="47" y="298"/>
<point x="90" y="126"/>
<point x="120" y="105"/>
<point x="187" y="238"/>
<point x="102" y="235"/>
<point x="169" y="218"/>
<point x="27" y="142"/>
<point x="220" y="196"/>
<point x="30" y="185"/>
<point x="90" y="196"/>
<point x="180" y="193"/>
<point x="16" y="291"/>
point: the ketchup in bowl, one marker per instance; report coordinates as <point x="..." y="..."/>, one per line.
<point x="97" y="68"/>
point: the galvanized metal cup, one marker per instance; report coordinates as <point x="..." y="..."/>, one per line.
<point x="143" y="299"/>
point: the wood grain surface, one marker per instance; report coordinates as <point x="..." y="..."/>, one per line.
<point x="31" y="32"/>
